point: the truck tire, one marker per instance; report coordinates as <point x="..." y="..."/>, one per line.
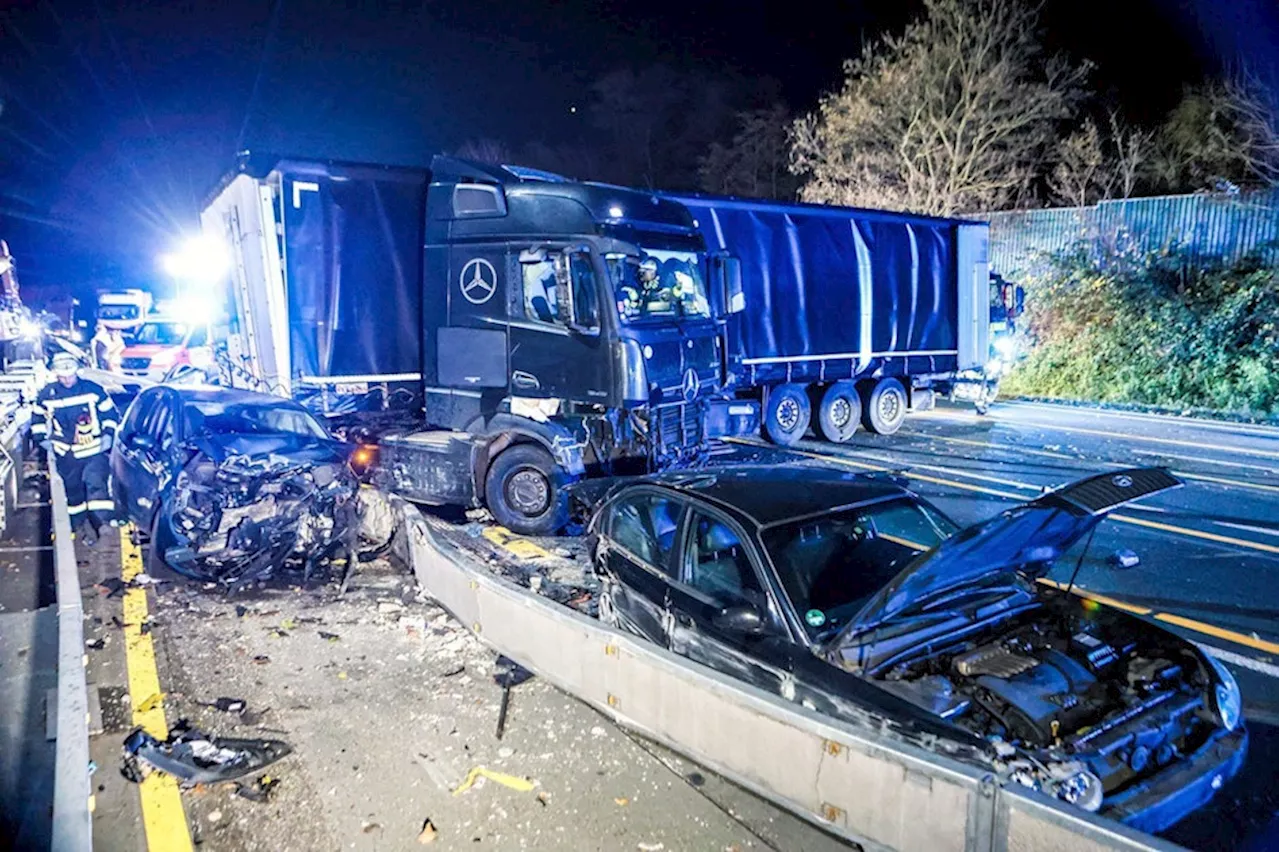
<point x="839" y="410"/>
<point x="886" y="407"/>
<point x="524" y="490"/>
<point x="787" y="417"/>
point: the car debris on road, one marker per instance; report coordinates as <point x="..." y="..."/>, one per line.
<point x="194" y="757"/>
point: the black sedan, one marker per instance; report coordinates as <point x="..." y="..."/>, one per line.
<point x="232" y="485"/>
<point x="853" y="596"/>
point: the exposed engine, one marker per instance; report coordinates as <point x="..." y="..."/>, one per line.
<point x="1070" y="710"/>
<point x="240" y="520"/>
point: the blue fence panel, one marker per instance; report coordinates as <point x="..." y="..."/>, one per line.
<point x="1203" y="228"/>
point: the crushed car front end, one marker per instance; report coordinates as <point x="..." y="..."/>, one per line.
<point x="234" y="516"/>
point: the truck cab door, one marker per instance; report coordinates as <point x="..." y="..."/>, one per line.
<point x="558" y="345"/>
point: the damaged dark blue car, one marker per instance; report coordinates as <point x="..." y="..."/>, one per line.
<point x="852" y="596"/>
<point x="234" y="486"/>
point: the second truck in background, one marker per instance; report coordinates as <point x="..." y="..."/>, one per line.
<point x="849" y="316"/>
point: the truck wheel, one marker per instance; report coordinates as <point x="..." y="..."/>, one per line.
<point x="838" y="412"/>
<point x="886" y="407"/>
<point x="788" y="416"/>
<point x="524" y="490"/>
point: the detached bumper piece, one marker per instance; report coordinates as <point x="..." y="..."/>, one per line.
<point x="1158" y="803"/>
<point x="194" y="757"/>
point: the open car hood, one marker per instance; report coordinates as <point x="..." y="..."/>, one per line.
<point x="1027" y="539"/>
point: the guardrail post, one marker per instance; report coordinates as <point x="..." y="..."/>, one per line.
<point x="72" y="817"/>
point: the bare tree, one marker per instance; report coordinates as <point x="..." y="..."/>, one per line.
<point x="484" y="150"/>
<point x="1083" y="173"/>
<point x="754" y="164"/>
<point x="1132" y="149"/>
<point x="1221" y="131"/>
<point x="956" y="114"/>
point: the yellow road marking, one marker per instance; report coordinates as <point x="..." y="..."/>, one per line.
<point x="1124" y="519"/>
<point x="163" y="818"/>
<point x="1229" y="635"/>
<point x="1265" y="454"/>
<point x="522" y="548"/>
<point x="1102" y="599"/>
<point x="1049" y="454"/>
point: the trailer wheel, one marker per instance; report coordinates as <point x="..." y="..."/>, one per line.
<point x="524" y="489"/>
<point x="788" y="416"/>
<point x="886" y="407"/>
<point x="839" y="410"/>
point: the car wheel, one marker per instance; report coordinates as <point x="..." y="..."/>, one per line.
<point x="524" y="490"/>
<point x="886" y="407"/>
<point x="839" y="410"/>
<point x="787" y="417"/>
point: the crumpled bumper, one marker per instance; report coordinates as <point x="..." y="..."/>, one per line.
<point x="1160" y="801"/>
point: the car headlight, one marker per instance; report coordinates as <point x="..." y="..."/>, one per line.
<point x="1226" y="695"/>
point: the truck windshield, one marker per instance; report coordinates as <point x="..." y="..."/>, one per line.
<point x="658" y="283"/>
<point x="162" y="333"/>
<point x="118" y="312"/>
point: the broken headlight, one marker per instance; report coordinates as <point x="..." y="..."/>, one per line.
<point x="1226" y="695"/>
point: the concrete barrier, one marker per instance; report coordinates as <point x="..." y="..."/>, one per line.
<point x="72" y="793"/>
<point x="859" y="782"/>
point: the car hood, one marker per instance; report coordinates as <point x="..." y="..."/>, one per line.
<point x="296" y="449"/>
<point x="1026" y="539"/>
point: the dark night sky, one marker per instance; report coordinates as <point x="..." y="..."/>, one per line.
<point x="118" y="116"/>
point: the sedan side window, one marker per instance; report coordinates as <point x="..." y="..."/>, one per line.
<point x="719" y="566"/>
<point x="646" y="527"/>
<point x="137" y="414"/>
<point x="159" y="424"/>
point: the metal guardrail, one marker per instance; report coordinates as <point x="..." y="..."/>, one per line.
<point x="857" y="781"/>
<point x="72" y="794"/>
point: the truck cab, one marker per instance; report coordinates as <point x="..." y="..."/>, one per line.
<point x="563" y="329"/>
<point x="123" y="309"/>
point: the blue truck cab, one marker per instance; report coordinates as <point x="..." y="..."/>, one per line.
<point x="538" y="330"/>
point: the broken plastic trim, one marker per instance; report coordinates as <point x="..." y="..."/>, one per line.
<point x="194" y="757"/>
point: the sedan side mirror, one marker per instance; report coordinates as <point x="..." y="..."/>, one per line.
<point x="739" y="618"/>
<point x="1124" y="558"/>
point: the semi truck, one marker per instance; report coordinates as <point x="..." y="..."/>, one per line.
<point x="845" y="316"/>
<point x="527" y="330"/>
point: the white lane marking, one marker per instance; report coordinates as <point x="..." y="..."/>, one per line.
<point x="1241" y="660"/>
<point x="1249" y="528"/>
<point x="1162" y="454"/>
<point x="1170" y="419"/>
<point x="34" y="549"/>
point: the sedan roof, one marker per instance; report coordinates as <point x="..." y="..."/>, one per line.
<point x="772" y="494"/>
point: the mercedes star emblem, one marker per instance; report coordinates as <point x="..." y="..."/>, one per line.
<point x="478" y="281"/>
<point x="1121" y="481"/>
<point x="689" y="387"/>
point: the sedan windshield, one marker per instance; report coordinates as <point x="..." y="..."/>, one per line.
<point x="162" y="334"/>
<point x="831" y="565"/>
<point x="215" y="418"/>
<point x="658" y="283"/>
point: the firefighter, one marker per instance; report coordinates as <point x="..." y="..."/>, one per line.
<point x="78" y="422"/>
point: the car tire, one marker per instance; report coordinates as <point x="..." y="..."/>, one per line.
<point x="886" y="407"/>
<point x="524" y="490"/>
<point x="787" y="416"/>
<point x="838" y="413"/>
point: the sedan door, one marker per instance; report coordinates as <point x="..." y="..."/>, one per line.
<point x="128" y="454"/>
<point x="721" y="585"/>
<point x="637" y="558"/>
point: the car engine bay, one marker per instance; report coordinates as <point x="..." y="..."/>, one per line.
<point x="239" y="520"/>
<point x="1076" y="705"/>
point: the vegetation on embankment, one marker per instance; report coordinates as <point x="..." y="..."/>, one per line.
<point x="1151" y="331"/>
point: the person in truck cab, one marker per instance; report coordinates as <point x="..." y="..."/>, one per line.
<point x="78" y="422"/>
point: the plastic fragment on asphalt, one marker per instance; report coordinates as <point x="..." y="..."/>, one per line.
<point x="520" y="785"/>
<point x="428" y="833"/>
<point x="151" y="703"/>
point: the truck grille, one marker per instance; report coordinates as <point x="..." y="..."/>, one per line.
<point x="679" y="426"/>
<point x="135" y="363"/>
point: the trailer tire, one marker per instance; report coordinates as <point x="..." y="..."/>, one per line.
<point x="838" y="413"/>
<point x="886" y="407"/>
<point x="524" y="490"/>
<point x="787" y="417"/>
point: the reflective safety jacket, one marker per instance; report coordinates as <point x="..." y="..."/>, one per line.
<point x="75" y="419"/>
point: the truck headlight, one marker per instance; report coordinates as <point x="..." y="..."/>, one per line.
<point x="1226" y="695"/>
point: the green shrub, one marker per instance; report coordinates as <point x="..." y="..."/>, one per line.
<point x="1151" y="331"/>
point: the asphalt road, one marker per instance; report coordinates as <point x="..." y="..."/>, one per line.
<point x="1209" y="550"/>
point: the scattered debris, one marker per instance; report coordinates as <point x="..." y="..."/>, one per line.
<point x="370" y="827"/>
<point x="215" y="816"/>
<point x="622" y="801"/>
<point x="387" y="607"/>
<point x="329" y="637"/>
<point x="228" y="705"/>
<point x="260" y="790"/>
<point x="111" y="587"/>
<point x="544" y="798"/>
<point x="520" y="785"/>
<point x="194" y="757"/>
<point x="151" y="703"/>
<point x="428" y="833"/>
<point x="598" y="731"/>
<point x="261" y="659"/>
<point x="506" y="752"/>
<point x="342" y="675"/>
<point x="650" y="847"/>
<point x="96" y="644"/>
